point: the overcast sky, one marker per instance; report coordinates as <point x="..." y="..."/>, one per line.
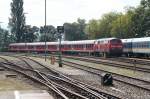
<point x="60" y="11"/>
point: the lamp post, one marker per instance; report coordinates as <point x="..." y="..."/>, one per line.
<point x="25" y="34"/>
<point x="120" y="27"/>
<point x="60" y="30"/>
<point x="45" y="31"/>
<point x="26" y="42"/>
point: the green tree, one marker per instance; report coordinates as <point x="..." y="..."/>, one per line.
<point x="81" y="24"/>
<point x="30" y="34"/>
<point x="105" y="23"/>
<point x="50" y="31"/>
<point x="141" y="19"/>
<point x="92" y="29"/>
<point x="70" y="29"/>
<point x="75" y="30"/>
<point x="4" y="39"/>
<point x="101" y="28"/>
<point x="122" y="27"/>
<point x="17" y="20"/>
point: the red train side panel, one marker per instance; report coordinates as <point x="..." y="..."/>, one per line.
<point x="107" y="46"/>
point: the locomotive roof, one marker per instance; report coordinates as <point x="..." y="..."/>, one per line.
<point x="106" y="39"/>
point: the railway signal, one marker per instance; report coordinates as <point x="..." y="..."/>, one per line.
<point x="107" y="79"/>
<point x="60" y="30"/>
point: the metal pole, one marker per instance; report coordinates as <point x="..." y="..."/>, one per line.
<point x="120" y="28"/>
<point x="45" y="30"/>
<point x="25" y="45"/>
<point x="60" y="58"/>
<point x="26" y="49"/>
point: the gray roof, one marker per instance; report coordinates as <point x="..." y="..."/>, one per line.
<point x="143" y="39"/>
<point x="56" y="43"/>
<point x="63" y="42"/>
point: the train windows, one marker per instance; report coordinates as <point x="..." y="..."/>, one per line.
<point x="133" y="45"/>
<point x="69" y="46"/>
<point x="138" y="45"/>
<point x="75" y="46"/>
<point x="143" y="45"/>
<point x="146" y="44"/>
<point x="88" y="45"/>
<point x="80" y="46"/>
<point x="30" y="47"/>
<point x="54" y="47"/>
<point x="115" y="41"/>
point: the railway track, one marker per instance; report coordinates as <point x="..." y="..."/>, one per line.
<point x="130" y="60"/>
<point x="124" y="60"/>
<point x="118" y="59"/>
<point x="110" y="62"/>
<point x="55" y="81"/>
<point x="142" y="84"/>
<point x="127" y="63"/>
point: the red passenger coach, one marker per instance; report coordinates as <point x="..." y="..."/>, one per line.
<point x="78" y="46"/>
<point x="108" y="46"/>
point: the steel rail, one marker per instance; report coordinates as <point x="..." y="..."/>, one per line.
<point x="43" y="82"/>
<point x="88" y="69"/>
<point x="56" y="72"/>
<point x="81" y="87"/>
<point x="72" y="83"/>
<point x="33" y="78"/>
<point x="147" y="70"/>
<point x="101" y="93"/>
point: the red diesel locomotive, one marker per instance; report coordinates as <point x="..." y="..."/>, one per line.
<point x="105" y="47"/>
